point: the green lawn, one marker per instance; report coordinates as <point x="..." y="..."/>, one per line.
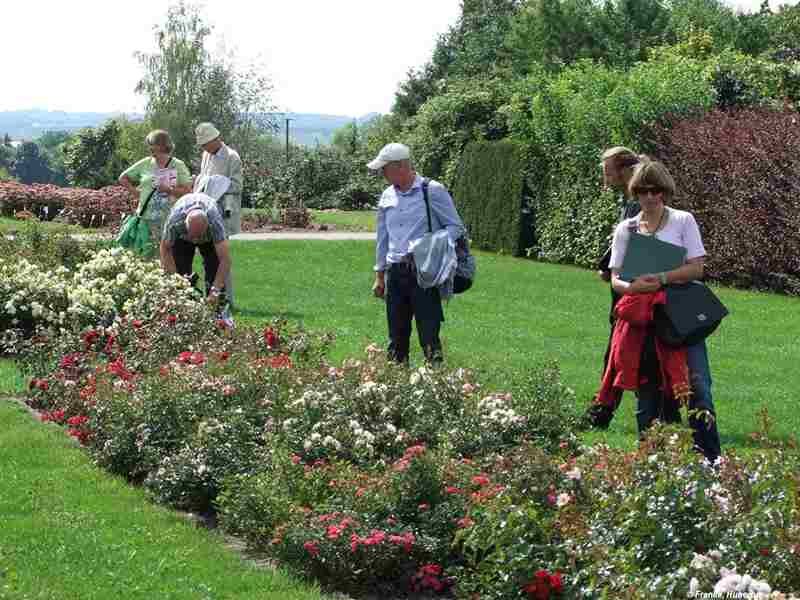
<point x="521" y="313"/>
<point x="346" y="220"/>
<point x="337" y="220"/>
<point x="69" y="531"/>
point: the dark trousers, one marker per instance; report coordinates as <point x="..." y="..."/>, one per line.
<point x="702" y="416"/>
<point x="183" y="253"/>
<point x="404" y="300"/>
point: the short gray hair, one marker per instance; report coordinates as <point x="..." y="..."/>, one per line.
<point x="160" y="138"/>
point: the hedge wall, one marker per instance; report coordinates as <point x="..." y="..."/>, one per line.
<point x="489" y="194"/>
<point x="80" y="206"/>
<point x="738" y="172"/>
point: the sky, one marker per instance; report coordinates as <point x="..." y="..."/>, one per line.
<point x="342" y="57"/>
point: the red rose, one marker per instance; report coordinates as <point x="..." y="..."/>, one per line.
<point x="270" y="338"/>
<point x="465" y="523"/>
<point x="556" y="583"/>
<point x="282" y="361"/>
<point x="480" y="480"/>
<point x="311" y="548"/>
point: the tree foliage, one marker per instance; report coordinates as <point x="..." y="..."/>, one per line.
<point x="91" y="159"/>
<point x="472" y="47"/>
<point x="185" y="85"/>
<point x="52" y="145"/>
<point x="30" y="165"/>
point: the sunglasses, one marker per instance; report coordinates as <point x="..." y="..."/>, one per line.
<point x="648" y="189"/>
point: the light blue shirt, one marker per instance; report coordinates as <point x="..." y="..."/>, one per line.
<point x="402" y="218"/>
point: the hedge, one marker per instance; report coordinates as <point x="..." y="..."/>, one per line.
<point x="567" y="120"/>
<point x="90" y="208"/>
<point x="738" y="172"/>
<point x="489" y="194"/>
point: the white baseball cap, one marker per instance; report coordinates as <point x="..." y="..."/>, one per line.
<point x="206" y="132"/>
<point x="389" y="153"/>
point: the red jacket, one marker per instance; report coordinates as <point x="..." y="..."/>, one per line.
<point x="634" y="314"/>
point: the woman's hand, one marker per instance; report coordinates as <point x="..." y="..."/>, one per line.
<point x="645" y="284"/>
<point x="165" y="187"/>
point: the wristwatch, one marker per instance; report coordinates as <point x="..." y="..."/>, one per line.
<point x="214" y="291"/>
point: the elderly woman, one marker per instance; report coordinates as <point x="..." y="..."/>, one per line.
<point x="157" y="181"/>
<point x="653" y="187"/>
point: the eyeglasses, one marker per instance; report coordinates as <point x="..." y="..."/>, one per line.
<point x="647" y="189"/>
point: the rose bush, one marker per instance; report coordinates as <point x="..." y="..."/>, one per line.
<point x="369" y="476"/>
<point x="90" y="208"/>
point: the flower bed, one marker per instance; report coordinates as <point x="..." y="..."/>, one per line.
<point x="113" y="282"/>
<point x="369" y="476"/>
<point x="89" y="208"/>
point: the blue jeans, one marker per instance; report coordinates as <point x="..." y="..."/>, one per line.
<point x="702" y="416"/>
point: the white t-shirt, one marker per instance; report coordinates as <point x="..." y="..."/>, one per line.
<point x="680" y="229"/>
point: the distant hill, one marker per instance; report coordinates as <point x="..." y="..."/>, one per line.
<point x="30" y="124"/>
<point x="307" y="129"/>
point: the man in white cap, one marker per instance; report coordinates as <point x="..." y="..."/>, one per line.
<point x="195" y="223"/>
<point x="402" y="218"/>
<point x="220" y="159"/>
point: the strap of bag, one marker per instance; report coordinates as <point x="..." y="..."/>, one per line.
<point x="427" y="202"/>
<point x="153" y="191"/>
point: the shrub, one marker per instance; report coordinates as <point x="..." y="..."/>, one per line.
<point x="566" y="120"/>
<point x="86" y="207"/>
<point x="222" y="446"/>
<point x="489" y="194"/>
<point x="112" y="283"/>
<point x="468" y="110"/>
<point x="738" y="173"/>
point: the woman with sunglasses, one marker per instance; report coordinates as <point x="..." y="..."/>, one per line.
<point x="653" y="187"/>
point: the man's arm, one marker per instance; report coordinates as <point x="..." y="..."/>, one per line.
<point x="224" y="257"/>
<point x="381" y="249"/>
<point x="167" y="260"/>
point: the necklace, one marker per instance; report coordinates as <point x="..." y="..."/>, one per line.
<point x="658" y="227"/>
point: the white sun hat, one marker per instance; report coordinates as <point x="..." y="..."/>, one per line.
<point x="206" y="132"/>
<point x="389" y="153"/>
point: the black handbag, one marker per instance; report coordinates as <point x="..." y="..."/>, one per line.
<point x="692" y="313"/>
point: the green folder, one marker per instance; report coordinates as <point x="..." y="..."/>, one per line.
<point x="648" y="254"/>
